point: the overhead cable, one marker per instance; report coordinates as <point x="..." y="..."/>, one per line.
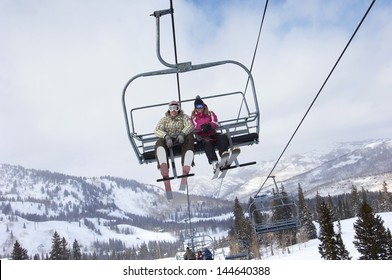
<point x="317" y="95"/>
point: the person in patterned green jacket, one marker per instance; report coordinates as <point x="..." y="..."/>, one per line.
<point x="175" y="128"/>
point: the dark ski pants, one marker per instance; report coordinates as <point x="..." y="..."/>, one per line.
<point x="217" y="140"/>
<point x="187" y="145"/>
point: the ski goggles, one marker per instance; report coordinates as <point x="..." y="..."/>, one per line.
<point x="174" y="108"/>
<point x="199" y="106"/>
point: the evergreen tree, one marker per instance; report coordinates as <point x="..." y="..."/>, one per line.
<point x="143" y="252"/>
<point x="130" y="253"/>
<point x="384" y="199"/>
<point x="331" y="205"/>
<point x="319" y="200"/>
<point x="239" y="225"/>
<point x="233" y="244"/>
<point x="327" y="248"/>
<point x="354" y="200"/>
<point x="65" y="251"/>
<point x="154" y="249"/>
<point x="364" y="195"/>
<point x="113" y="255"/>
<point x="76" y="254"/>
<point x="19" y="253"/>
<point x="243" y="231"/>
<point x="305" y="217"/>
<point x="343" y="209"/>
<point x="389" y="244"/>
<point x="254" y="213"/>
<point x="56" y="253"/>
<point x="282" y="208"/>
<point x="342" y="253"/>
<point x="371" y="238"/>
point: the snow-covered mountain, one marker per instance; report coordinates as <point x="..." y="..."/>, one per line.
<point x="366" y="167"/>
<point x="115" y="197"/>
<point x="108" y="207"/>
<point x="333" y="171"/>
<point x="35" y="203"/>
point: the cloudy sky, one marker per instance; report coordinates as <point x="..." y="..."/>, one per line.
<point x="64" y="64"/>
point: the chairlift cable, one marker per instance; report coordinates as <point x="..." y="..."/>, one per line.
<point x="189" y="213"/>
<point x="175" y="51"/>
<point x="317" y="95"/>
<point x="220" y="187"/>
<point x="179" y="100"/>
<point x="254" y="54"/>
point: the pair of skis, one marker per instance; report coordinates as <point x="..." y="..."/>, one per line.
<point x="225" y="163"/>
<point x="166" y="179"/>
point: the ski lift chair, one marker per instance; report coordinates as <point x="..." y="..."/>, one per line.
<point x="241" y="131"/>
<point x="279" y="212"/>
<point x="273" y="223"/>
<point x="199" y="242"/>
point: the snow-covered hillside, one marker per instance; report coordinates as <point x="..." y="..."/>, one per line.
<point x="39" y="201"/>
<point x="36" y="237"/>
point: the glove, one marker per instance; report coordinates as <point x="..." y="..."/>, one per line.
<point x="169" y="141"/>
<point x="206" y="127"/>
<point x="180" y="138"/>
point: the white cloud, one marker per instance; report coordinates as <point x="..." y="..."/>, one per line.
<point x="64" y="65"/>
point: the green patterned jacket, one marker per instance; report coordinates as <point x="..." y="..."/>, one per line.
<point x="174" y="126"/>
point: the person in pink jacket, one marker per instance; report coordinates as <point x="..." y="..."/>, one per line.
<point x="205" y="122"/>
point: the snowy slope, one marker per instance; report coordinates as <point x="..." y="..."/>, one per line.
<point x="36" y="238"/>
<point x="26" y="191"/>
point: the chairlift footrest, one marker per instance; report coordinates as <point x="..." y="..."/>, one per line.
<point x="187" y="175"/>
<point x="247" y="163"/>
<point x="165" y="179"/>
<point x="240" y="165"/>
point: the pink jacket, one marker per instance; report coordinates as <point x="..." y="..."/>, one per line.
<point x="199" y="118"/>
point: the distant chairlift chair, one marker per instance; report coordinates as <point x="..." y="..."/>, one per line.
<point x="274" y="213"/>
